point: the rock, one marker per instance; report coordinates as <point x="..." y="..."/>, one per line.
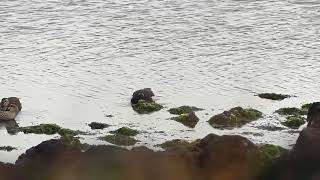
<point x="97" y="125"/>
<point x="271" y="128"/>
<point x="48" y="129"/>
<point x="313" y="117"/>
<point x="145" y="107"/>
<point x="273" y="96"/>
<point x="7" y="148"/>
<point x="125" y="131"/>
<point x="178" y="143"/>
<point x="294" y="121"/>
<point x="183" y="110"/>
<point x="189" y="119"/>
<point x="145" y="94"/>
<point x="235" y="117"/>
<point x="289" y="111"/>
<point x="119" y="140"/>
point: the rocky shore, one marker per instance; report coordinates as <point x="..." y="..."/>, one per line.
<point x="215" y="157"/>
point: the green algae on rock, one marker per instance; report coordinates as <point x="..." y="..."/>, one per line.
<point x="273" y="96"/>
<point x="178" y="143"/>
<point x="145" y="107"/>
<point x="305" y="108"/>
<point x="183" y="110"/>
<point x="97" y="125"/>
<point x="48" y="129"/>
<point x="294" y="121"/>
<point x="119" y="140"/>
<point x="289" y="111"/>
<point x="125" y="131"/>
<point x="189" y="119"/>
<point x="7" y="148"/>
<point x="235" y="117"/>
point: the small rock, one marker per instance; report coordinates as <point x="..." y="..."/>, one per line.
<point x="289" y="111"/>
<point x="294" y="121"/>
<point x="125" y="131"/>
<point x="189" y="119"/>
<point x="119" y="140"/>
<point x="183" y="110"/>
<point x="235" y="117"/>
<point x="178" y="143"/>
<point x="97" y="125"/>
<point x="145" y="107"/>
<point x="7" y="148"/>
<point x="273" y="96"/>
<point x="145" y="94"/>
<point x="48" y="129"/>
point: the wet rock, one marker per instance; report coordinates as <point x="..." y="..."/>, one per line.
<point x="183" y="110"/>
<point x="235" y="117"/>
<point x="190" y="119"/>
<point x="119" y="140"/>
<point x="294" y="121"/>
<point x="271" y="151"/>
<point x="145" y="107"/>
<point x="7" y="148"/>
<point x="11" y="127"/>
<point x="97" y="125"/>
<point x="271" y="128"/>
<point x="178" y="143"/>
<point x="289" y="111"/>
<point x="313" y="117"/>
<point x="145" y="94"/>
<point x="125" y="131"/>
<point x="48" y="129"/>
<point x="273" y="96"/>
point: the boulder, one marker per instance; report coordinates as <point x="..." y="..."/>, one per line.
<point x="145" y="94"/>
<point x="273" y="96"/>
<point x="235" y="117"/>
<point x="189" y="119"/>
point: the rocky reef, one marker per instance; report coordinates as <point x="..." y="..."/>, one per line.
<point x="235" y="117"/>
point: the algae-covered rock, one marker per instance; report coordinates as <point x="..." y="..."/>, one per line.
<point x="289" y="111"/>
<point x="273" y="96"/>
<point x="97" y="125"/>
<point x="125" y="131"/>
<point x="189" y="119"/>
<point x="7" y="148"/>
<point x="48" y="129"/>
<point x="178" y="143"/>
<point x="294" y="121"/>
<point x="69" y="132"/>
<point x="305" y="107"/>
<point x="271" y="151"/>
<point x="119" y="140"/>
<point x="145" y="107"/>
<point x="183" y="110"/>
<point x="235" y="117"/>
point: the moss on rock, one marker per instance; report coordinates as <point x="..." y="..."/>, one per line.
<point x="145" y="107"/>
<point x="289" y="111"/>
<point x="189" y="119"/>
<point x="119" y="140"/>
<point x="294" y="121"/>
<point x="183" y="110"/>
<point x="48" y="129"/>
<point x="7" y="148"/>
<point x="125" y="131"/>
<point x="235" y="117"/>
<point x="97" y="125"/>
<point x="178" y="143"/>
<point x="273" y="96"/>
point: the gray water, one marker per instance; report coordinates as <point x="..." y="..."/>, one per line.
<point x="74" y="62"/>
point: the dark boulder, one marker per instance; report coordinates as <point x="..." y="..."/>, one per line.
<point x="145" y="94"/>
